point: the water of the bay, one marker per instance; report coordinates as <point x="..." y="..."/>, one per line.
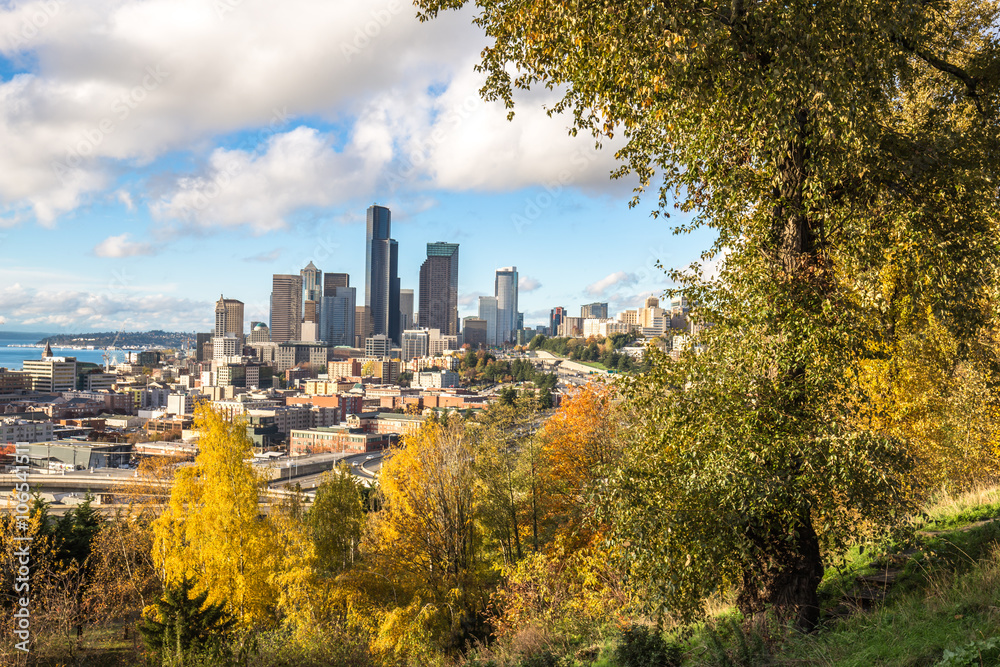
<point x="12" y="357"/>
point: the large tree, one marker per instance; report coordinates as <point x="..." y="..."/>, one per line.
<point x="846" y="153"/>
<point x="212" y="528"/>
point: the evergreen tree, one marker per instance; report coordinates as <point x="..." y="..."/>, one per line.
<point x="182" y="624"/>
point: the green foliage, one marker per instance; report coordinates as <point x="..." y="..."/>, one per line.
<point x="73" y="533"/>
<point x="845" y="157"/>
<point x="603" y="352"/>
<point x="729" y="644"/>
<point x="976" y="653"/>
<point x="643" y="646"/>
<point x="182" y="624"/>
<point x="541" y="659"/>
<point x="337" y="520"/>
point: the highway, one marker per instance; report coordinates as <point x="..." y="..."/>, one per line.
<point x="72" y="486"/>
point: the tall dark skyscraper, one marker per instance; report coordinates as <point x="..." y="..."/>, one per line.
<point x="439" y="288"/>
<point x="286" y="308"/>
<point x="381" y="274"/>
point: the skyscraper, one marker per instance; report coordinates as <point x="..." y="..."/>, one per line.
<point x="229" y="317"/>
<point x="596" y="310"/>
<point x="556" y="316"/>
<point x="286" y="308"/>
<point x="337" y="316"/>
<point x="381" y="274"/>
<point x="406" y="318"/>
<point x="312" y="283"/>
<point x="312" y="301"/>
<point x="488" y="312"/>
<point x="439" y="288"/>
<point x="332" y="281"/>
<point x="506" y="294"/>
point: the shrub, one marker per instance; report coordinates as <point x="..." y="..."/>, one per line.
<point x="642" y="646"/>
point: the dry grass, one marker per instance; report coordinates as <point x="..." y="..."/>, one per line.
<point x="945" y="505"/>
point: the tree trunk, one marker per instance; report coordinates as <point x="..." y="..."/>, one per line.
<point x="788" y="572"/>
<point x="785" y="578"/>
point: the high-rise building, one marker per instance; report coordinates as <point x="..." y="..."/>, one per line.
<point x="337" y="315"/>
<point x="201" y="340"/>
<point x="331" y="281"/>
<point x="406" y="318"/>
<point x="416" y="343"/>
<point x="381" y="274"/>
<point x="229" y="317"/>
<point x="488" y="312"/>
<point x="439" y="288"/>
<point x="474" y="332"/>
<point x="506" y="294"/>
<point x="556" y="316"/>
<point x="362" y="325"/>
<point x="51" y="373"/>
<point x="286" y="308"/>
<point x="378" y="345"/>
<point x="594" y="310"/>
<point x="312" y="283"/>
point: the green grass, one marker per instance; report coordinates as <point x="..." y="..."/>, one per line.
<point x="594" y="364"/>
<point x="946" y="602"/>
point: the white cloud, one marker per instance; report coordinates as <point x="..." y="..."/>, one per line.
<point x="261" y="189"/>
<point x="82" y="310"/>
<point x="125" y="197"/>
<point x="617" y="279"/>
<point x="116" y="84"/>
<point x="470" y="299"/>
<point x="526" y="284"/>
<point x="121" y="246"/>
<point x="3" y="320"/>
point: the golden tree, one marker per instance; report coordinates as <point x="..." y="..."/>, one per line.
<point x="212" y="528"/>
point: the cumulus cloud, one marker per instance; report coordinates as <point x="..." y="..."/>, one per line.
<point x="262" y="188"/>
<point x="115" y="84"/>
<point x="121" y="246"/>
<point x="526" y="284"/>
<point x="612" y="281"/>
<point x="70" y="308"/>
<point x="470" y="299"/>
<point x="3" y="320"/>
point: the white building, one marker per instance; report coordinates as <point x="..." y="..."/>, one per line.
<point x="416" y="343"/>
<point x="180" y="404"/>
<point x="439" y="379"/>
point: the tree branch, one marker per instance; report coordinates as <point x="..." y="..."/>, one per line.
<point x="971" y="82"/>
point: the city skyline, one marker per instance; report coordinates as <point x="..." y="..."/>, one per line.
<point x="154" y="191"/>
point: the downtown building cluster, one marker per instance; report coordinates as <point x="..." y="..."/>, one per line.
<point x="333" y="370"/>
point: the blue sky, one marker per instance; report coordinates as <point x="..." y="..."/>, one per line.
<point x="159" y="153"/>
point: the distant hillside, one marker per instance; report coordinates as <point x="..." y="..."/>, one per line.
<point x="21" y="335"/>
<point x="165" y="339"/>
